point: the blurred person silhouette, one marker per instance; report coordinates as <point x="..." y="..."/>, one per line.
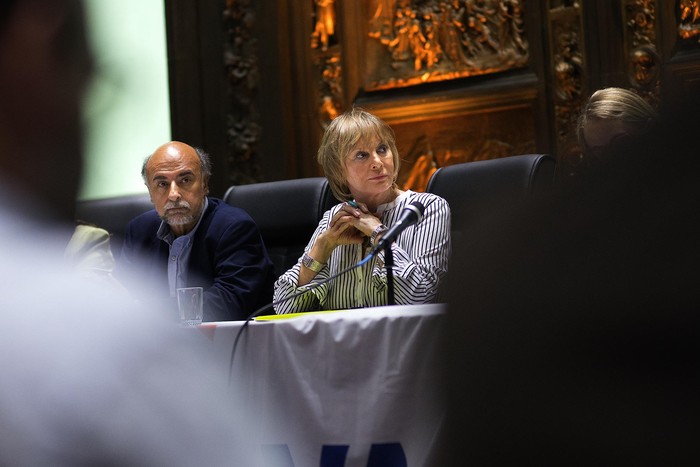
<point x="610" y="119"/>
<point x="88" y="378"/>
<point x="573" y="332"/>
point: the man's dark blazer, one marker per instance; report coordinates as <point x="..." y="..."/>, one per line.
<point x="228" y="259"/>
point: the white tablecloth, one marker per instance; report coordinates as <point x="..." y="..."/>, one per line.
<point x="349" y="388"/>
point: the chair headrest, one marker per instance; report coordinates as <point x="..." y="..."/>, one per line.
<point x="286" y="211"/>
<point x="473" y="187"/>
<point x="113" y="214"/>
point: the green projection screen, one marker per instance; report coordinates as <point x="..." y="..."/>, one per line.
<point x="127" y="112"/>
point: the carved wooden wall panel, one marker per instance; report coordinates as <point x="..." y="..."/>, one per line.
<point x="681" y="51"/>
<point x="428" y="145"/>
<point x="689" y="21"/>
<point x="255" y="82"/>
<point x="394" y="50"/>
<point x="460" y="126"/>
<point x="567" y="67"/>
<point x="414" y="42"/>
<point x="326" y="53"/>
<point x="641" y="47"/>
<point x="243" y="121"/>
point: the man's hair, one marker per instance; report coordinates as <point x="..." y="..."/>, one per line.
<point x="204" y="164"/>
<point x="341" y="136"/>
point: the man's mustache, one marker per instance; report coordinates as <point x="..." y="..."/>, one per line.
<point x="176" y="205"/>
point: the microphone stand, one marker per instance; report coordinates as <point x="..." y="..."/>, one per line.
<point x="389" y="265"/>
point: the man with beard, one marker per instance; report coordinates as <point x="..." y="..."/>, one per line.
<point x="192" y="240"/>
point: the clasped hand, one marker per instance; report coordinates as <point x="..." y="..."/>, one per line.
<point x="350" y="225"/>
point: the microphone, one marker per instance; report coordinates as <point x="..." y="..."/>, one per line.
<point x="410" y="215"/>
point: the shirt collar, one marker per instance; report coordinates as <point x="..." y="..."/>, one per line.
<point x="382" y="208"/>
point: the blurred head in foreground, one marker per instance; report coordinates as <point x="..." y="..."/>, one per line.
<point x="45" y="65"/>
<point x="574" y="331"/>
<point x="89" y="378"/>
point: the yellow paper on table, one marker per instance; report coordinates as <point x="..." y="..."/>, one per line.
<point x="292" y="315"/>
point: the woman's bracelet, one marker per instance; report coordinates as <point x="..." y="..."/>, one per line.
<point x="381" y="228"/>
<point x="311" y="263"/>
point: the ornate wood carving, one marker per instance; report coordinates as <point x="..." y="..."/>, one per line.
<point x="428" y="145"/>
<point x="243" y="128"/>
<point x="644" y="63"/>
<point x="326" y="53"/>
<point x="460" y="127"/>
<point x="418" y="41"/>
<point x="567" y="68"/>
<point x="689" y="20"/>
<point x="680" y="31"/>
<point x="399" y="43"/>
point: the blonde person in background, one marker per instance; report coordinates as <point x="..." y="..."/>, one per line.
<point x="89" y="249"/>
<point x="610" y="118"/>
<point x="89" y="253"/>
<point x="359" y="157"/>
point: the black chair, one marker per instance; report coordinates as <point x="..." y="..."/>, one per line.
<point x="286" y="212"/>
<point x="113" y="214"/>
<point x="481" y="188"/>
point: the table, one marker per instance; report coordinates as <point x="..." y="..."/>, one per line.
<point x="347" y="388"/>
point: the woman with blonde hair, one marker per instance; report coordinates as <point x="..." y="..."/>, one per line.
<point x="360" y="160"/>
